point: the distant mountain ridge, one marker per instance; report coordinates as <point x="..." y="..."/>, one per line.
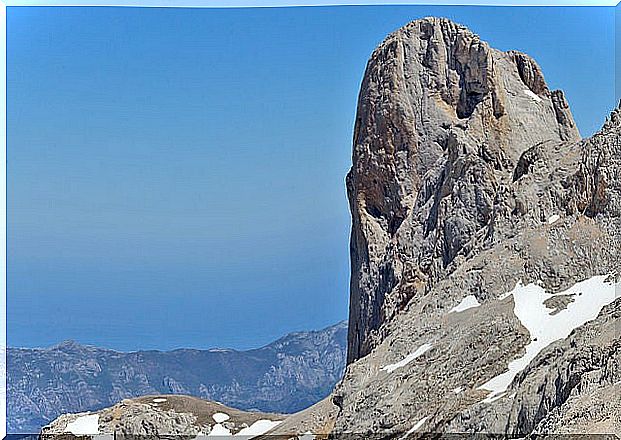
<point x="285" y="376"/>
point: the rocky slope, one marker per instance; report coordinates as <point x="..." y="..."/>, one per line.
<point x="485" y="247"/>
<point x="177" y="416"/>
<point x="286" y="376"/>
<point x="163" y="416"/>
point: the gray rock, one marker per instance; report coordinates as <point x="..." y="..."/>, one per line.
<point x="570" y="388"/>
<point x="469" y="176"/>
<point x="443" y="120"/>
<point x="160" y="416"/>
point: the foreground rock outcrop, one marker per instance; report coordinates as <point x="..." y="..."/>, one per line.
<point x="161" y="416"/>
<point x="485" y="247"/>
<point x="186" y="417"/>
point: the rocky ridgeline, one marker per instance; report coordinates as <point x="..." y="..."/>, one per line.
<point x="469" y="177"/>
<point x="285" y="376"/>
<point x="152" y="416"/>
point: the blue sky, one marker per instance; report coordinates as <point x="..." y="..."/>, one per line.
<point x="176" y="176"/>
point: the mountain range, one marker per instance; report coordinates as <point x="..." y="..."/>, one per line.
<point x="285" y="376"/>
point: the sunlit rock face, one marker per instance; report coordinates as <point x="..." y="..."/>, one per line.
<point x="162" y="416"/>
<point x="469" y="180"/>
<point x="443" y="121"/>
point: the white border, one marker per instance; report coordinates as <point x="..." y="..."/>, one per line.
<point x="3" y="219"/>
<point x="182" y="4"/>
<point x="285" y="3"/>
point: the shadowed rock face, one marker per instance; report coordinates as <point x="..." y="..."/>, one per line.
<point x="442" y="123"/>
<point x="468" y="177"/>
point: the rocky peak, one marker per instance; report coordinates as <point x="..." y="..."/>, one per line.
<point x="442" y="124"/>
<point x="598" y="181"/>
<point x="69" y="345"/>
<point x="476" y="207"/>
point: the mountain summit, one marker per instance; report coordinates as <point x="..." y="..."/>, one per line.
<point x="443" y="121"/>
<point x="485" y="247"/>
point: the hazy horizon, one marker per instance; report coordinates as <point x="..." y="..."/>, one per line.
<point x="176" y="176"/>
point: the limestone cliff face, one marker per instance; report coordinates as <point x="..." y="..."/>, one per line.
<point x="477" y="207"/>
<point x="486" y="258"/>
<point x="443" y="121"/>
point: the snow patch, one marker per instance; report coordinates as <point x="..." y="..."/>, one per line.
<point x="533" y="95"/>
<point x="553" y="219"/>
<point x="258" y="428"/>
<point x="159" y="400"/>
<point x="415" y="428"/>
<point x="84" y="425"/>
<point x="492" y="397"/>
<point x="409" y="358"/>
<point x="468" y="302"/>
<point x="458" y="390"/>
<point x="218" y="430"/>
<point x="590" y="297"/>
<point x="220" y="417"/>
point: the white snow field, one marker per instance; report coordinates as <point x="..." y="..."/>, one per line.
<point x="409" y="358"/>
<point x="257" y="428"/>
<point x="590" y="296"/>
<point x="84" y="425"/>
<point x="468" y="302"/>
<point x="219" y="431"/>
<point x="553" y="219"/>
<point x="533" y="95"/>
<point x="415" y="428"/>
<point x="220" y="417"/>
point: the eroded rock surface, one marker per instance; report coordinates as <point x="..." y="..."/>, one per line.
<point x="162" y="416"/>
<point x="469" y="178"/>
<point x="470" y="182"/>
<point x="443" y="128"/>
